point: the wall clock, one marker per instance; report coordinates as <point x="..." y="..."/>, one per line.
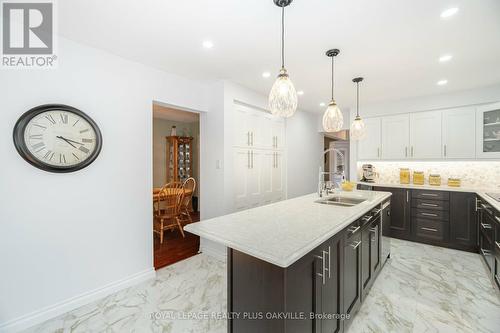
<point x="57" y="138"/>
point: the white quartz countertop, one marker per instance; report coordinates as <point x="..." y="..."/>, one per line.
<point x="479" y="191"/>
<point x="283" y="232"/>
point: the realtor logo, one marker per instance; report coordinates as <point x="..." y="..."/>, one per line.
<point x="28" y="34"/>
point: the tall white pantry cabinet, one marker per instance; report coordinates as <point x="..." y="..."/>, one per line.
<point x="258" y="158"/>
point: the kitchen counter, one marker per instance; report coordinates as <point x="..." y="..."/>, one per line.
<point x="479" y="191"/>
<point x="283" y="232"/>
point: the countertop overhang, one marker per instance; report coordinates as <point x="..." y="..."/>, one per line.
<point x="283" y="232"/>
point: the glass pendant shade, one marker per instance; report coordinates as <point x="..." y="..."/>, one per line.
<point x="358" y="129"/>
<point x="283" y="97"/>
<point x="333" y="120"/>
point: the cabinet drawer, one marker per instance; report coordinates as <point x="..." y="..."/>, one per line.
<point x="431" y="204"/>
<point x="428" y="214"/>
<point x="430" y="194"/>
<point x="430" y="229"/>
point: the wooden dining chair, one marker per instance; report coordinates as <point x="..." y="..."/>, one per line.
<point x="189" y="187"/>
<point x="166" y="209"/>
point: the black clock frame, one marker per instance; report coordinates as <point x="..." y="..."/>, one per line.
<point x="22" y="149"/>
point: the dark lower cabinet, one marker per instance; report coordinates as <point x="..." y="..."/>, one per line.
<point x="463" y="220"/>
<point x="325" y="286"/>
<point x="352" y="276"/>
<point x="400" y="212"/>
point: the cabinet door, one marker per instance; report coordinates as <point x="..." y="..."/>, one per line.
<point x="277" y="176"/>
<point x="369" y="146"/>
<point x="242" y="126"/>
<point x="425" y="135"/>
<point x="375" y="250"/>
<point x="463" y="221"/>
<point x="352" y="275"/>
<point x="268" y="160"/>
<point x="278" y="133"/>
<point x="395" y="137"/>
<point x="241" y="166"/>
<point x="400" y="212"/>
<point x="459" y="133"/>
<point x="366" y="274"/>
<point x="254" y="183"/>
<point x="488" y="131"/>
<point x="330" y="290"/>
<point x="262" y="130"/>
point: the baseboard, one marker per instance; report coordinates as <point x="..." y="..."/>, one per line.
<point x="213" y="249"/>
<point x="52" y="311"/>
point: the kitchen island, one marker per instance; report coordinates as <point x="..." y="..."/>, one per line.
<point x="300" y="265"/>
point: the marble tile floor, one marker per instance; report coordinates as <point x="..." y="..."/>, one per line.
<point x="422" y="288"/>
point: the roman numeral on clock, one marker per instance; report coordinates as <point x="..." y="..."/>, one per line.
<point x="48" y="154"/>
<point x="64" y="118"/>
<point x="38" y="145"/>
<point x="36" y="136"/>
<point x="85" y="150"/>
<point x="50" y="118"/>
<point x="62" y="158"/>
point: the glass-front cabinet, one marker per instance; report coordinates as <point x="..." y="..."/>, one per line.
<point x="488" y="131"/>
<point x="179" y="158"/>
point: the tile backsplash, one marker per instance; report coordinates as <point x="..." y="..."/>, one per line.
<point x="477" y="174"/>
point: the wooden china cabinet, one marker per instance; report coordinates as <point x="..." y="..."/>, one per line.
<point x="179" y="158"/>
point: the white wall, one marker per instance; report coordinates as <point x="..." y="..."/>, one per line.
<point x="68" y="235"/>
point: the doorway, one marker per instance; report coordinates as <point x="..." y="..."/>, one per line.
<point x="176" y="158"/>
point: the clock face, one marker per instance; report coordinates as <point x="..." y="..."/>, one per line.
<point x="57" y="138"/>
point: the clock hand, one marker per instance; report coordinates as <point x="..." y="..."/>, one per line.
<point x="80" y="143"/>
<point x="60" y="137"/>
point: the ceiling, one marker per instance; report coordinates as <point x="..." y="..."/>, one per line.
<point x="166" y="113"/>
<point x="394" y="44"/>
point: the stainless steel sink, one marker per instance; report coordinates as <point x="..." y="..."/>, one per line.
<point x="341" y="201"/>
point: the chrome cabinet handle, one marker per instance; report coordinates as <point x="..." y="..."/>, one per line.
<point x="485" y="226"/>
<point x="248" y="138"/>
<point x="377" y="211"/>
<point x="444" y="150"/>
<point x="274" y="160"/>
<point x="374" y="230"/>
<point x="323" y="265"/>
<point x="411" y="151"/>
<point x="429" y="229"/>
<point x="497" y="218"/>
<point x="429" y="194"/>
<point x="485" y="252"/>
<point x="407" y="196"/>
<point x="429" y="205"/>
<point x="248" y="159"/>
<point x="252" y="158"/>
<point x="406" y="151"/>
<point x="367" y="218"/>
<point x="497" y="244"/>
<point x="251" y="136"/>
<point x="429" y="214"/>
<point x="352" y="231"/>
<point x="378" y="152"/>
<point x="355" y="245"/>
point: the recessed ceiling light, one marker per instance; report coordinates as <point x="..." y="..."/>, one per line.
<point x="266" y="74"/>
<point x="449" y="12"/>
<point x="300" y="92"/>
<point x="322" y="104"/>
<point x="445" y="58"/>
<point x="442" y="82"/>
<point x="208" y="44"/>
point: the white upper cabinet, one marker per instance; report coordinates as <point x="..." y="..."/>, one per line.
<point x="459" y="133"/>
<point x="425" y="135"/>
<point x="369" y="146"/>
<point x="395" y="137"/>
<point x="488" y="131"/>
<point x="242" y="126"/>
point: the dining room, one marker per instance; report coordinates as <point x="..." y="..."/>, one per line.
<point x="175" y="184"/>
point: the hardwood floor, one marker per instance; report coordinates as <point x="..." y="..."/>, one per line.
<point x="174" y="247"/>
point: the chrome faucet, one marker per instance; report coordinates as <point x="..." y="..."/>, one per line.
<point x="338" y="177"/>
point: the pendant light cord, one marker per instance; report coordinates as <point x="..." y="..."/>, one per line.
<point x="357" y="99"/>
<point x="333" y="64"/>
<point x="282" y="37"/>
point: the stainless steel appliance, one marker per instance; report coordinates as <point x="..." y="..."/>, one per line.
<point x="495" y="196"/>
<point x="386" y="222"/>
<point x="368" y="173"/>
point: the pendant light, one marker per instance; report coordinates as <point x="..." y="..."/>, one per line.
<point x="283" y="97"/>
<point x="358" y="129"/>
<point x="333" y="120"/>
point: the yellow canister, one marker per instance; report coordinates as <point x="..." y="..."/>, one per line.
<point x="454" y="182"/>
<point x="418" y="177"/>
<point x="404" y="176"/>
<point x="435" y="180"/>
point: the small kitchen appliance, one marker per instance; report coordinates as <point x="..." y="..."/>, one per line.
<point x="368" y="173"/>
